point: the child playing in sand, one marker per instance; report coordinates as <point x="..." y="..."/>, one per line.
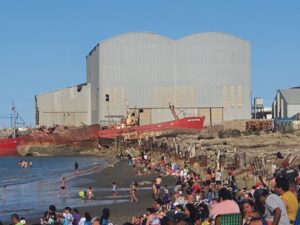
<point x="114" y="189"/>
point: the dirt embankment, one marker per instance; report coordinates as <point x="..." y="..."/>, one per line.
<point x="203" y="150"/>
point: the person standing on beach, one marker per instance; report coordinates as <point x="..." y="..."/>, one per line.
<point x="76" y="167"/>
<point x="3" y="197"/>
<point x="154" y="190"/>
<point x="158" y="182"/>
<point x="114" y="190"/>
<point x="63" y="187"/>
<point x="133" y="192"/>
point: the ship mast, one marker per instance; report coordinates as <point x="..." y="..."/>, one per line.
<point x="14" y="118"/>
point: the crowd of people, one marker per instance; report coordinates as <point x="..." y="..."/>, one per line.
<point x="67" y="217"/>
<point x="204" y="200"/>
<point x="196" y="200"/>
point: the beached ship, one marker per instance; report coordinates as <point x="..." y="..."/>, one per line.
<point x="65" y="138"/>
<point x="8" y="146"/>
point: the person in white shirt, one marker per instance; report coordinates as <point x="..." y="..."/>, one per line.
<point x="274" y="206"/>
<point x="218" y="177"/>
<point x="68" y="217"/>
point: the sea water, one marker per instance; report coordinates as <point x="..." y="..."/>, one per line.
<point x="29" y="192"/>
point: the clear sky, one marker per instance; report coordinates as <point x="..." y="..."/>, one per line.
<point x="43" y="44"/>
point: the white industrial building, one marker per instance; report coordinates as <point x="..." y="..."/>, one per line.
<point x="201" y="74"/>
<point x="286" y="103"/>
<point x="70" y="106"/>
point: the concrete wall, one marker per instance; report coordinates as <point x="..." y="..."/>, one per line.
<point x="70" y="106"/>
<point x="146" y="70"/>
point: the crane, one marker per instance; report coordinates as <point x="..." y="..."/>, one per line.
<point x="172" y="108"/>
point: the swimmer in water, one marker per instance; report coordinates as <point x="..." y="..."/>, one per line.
<point x="63" y="187"/>
<point x="89" y="193"/>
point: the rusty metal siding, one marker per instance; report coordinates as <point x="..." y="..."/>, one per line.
<point x="149" y="70"/>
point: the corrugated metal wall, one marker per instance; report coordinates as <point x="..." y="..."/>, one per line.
<point x="70" y="106"/>
<point x="146" y="70"/>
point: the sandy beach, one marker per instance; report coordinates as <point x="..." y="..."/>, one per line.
<point x="101" y="181"/>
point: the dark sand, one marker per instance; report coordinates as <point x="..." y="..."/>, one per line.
<point x="122" y="174"/>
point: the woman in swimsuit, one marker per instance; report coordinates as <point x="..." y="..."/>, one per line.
<point x="133" y="193"/>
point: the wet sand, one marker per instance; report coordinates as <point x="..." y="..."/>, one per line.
<point x="101" y="182"/>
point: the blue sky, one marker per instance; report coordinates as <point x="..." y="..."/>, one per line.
<point x="43" y="44"/>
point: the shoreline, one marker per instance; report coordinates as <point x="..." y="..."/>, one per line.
<point x="121" y="209"/>
<point x="49" y="188"/>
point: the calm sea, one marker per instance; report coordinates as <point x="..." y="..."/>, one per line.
<point x="30" y="191"/>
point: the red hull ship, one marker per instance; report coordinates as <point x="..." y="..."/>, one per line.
<point x="8" y="146"/>
<point x="15" y="146"/>
<point x="185" y="125"/>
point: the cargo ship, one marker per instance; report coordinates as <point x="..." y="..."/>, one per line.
<point x="8" y="146"/>
<point x="91" y="136"/>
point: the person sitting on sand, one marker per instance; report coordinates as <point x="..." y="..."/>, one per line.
<point x="68" y="217"/>
<point x="86" y="220"/>
<point x="152" y="218"/>
<point x="105" y="216"/>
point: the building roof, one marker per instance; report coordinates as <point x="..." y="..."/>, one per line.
<point x="292" y="95"/>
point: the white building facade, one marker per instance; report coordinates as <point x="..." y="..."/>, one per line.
<point x="286" y="103"/>
<point x="70" y="106"/>
<point x="145" y="72"/>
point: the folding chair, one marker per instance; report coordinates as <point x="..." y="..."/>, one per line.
<point x="297" y="220"/>
<point x="229" y="219"/>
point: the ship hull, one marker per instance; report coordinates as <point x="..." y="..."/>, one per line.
<point x="8" y="146"/>
<point x="89" y="136"/>
<point x="170" y="128"/>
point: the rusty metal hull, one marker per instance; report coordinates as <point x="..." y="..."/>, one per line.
<point x="89" y="136"/>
